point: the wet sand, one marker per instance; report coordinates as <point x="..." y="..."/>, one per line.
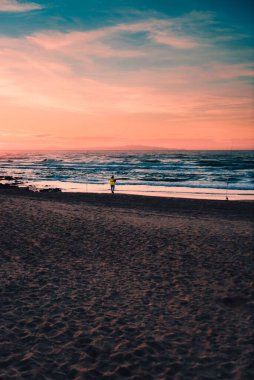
<point x="96" y="286"/>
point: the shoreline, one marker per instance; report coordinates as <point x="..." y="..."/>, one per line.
<point x="144" y="190"/>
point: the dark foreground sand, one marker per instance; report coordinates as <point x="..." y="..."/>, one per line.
<point x="124" y="287"/>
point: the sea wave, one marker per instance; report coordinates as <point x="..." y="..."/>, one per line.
<point x="189" y="169"/>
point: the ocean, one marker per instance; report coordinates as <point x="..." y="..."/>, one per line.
<point x="195" y="174"/>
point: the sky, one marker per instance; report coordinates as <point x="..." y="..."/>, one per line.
<point x="82" y="74"/>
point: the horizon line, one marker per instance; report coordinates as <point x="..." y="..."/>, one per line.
<point x="122" y="149"/>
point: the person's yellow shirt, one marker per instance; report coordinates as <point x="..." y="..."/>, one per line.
<point x="112" y="181"/>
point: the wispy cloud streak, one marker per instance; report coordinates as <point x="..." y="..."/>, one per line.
<point x="15" y="6"/>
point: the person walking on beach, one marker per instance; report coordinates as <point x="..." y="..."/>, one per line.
<point x="112" y="182"/>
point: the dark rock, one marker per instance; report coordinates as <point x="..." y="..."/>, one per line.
<point x="8" y="186"/>
<point x="53" y="190"/>
<point x="56" y="190"/>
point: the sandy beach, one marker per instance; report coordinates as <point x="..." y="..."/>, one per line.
<point x="96" y="286"/>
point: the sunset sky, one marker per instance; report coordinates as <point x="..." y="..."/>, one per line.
<point x="77" y="74"/>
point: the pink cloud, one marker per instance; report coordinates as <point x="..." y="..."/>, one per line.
<point x="40" y="71"/>
<point x="53" y="40"/>
<point x="175" y="41"/>
<point x="158" y="30"/>
<point x="217" y="71"/>
<point x="83" y="43"/>
<point x="15" y="6"/>
<point x="231" y="71"/>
